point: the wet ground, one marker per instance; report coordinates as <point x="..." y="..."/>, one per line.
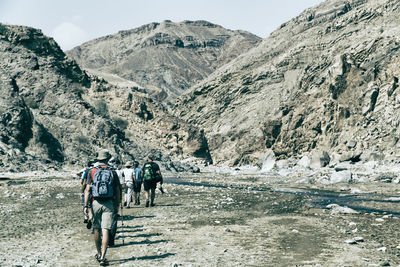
<point x="206" y="220"/>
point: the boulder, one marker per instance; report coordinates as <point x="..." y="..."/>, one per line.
<point x="305" y="162"/>
<point x="342" y="166"/>
<point x="368" y="155"/>
<point x="320" y="159"/>
<point x="268" y="161"/>
<point x="341" y="177"/>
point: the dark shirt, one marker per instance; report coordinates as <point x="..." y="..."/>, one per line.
<point x="154" y="166"/>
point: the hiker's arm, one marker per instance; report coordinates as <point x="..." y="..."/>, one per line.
<point x="87" y="193"/>
<point x="83" y="187"/>
<point x="158" y="172"/>
<point x="118" y="195"/>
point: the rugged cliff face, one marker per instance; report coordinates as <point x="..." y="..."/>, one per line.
<point x="326" y="80"/>
<point x="53" y="112"/>
<point x="165" y="58"/>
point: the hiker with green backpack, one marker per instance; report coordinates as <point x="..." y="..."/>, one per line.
<point x="104" y="187"/>
<point x="151" y="175"/>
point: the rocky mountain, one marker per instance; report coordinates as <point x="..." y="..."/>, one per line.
<point x="164" y="58"/>
<point x="53" y="112"/>
<point x="325" y="80"/>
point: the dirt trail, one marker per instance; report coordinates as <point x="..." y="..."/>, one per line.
<point x="239" y="221"/>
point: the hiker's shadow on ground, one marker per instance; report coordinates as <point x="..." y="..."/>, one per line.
<point x="136" y="236"/>
<point x="132" y="226"/>
<point x="144" y="242"/>
<point x="131" y="217"/>
<point x="153" y="257"/>
<point x="169" y="205"/>
<point x="130" y="231"/>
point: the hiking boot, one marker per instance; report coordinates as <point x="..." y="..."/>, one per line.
<point x="104" y="262"/>
<point x="128" y="207"/>
<point x="124" y="203"/>
<point x="152" y="204"/>
<point x="85" y="220"/>
<point x="89" y="224"/>
<point x="147" y="203"/>
<point x="98" y="258"/>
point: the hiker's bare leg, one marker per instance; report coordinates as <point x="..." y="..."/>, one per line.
<point x="104" y="243"/>
<point x="137" y="196"/>
<point x="90" y="214"/>
<point x="146" y="193"/>
<point x="97" y="240"/>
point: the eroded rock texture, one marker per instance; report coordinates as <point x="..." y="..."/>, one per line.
<point x="326" y="80"/>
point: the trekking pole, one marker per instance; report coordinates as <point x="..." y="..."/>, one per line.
<point x="122" y="220"/>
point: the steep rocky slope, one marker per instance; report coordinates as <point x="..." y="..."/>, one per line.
<point x="165" y="58"/>
<point x="53" y="112"/>
<point x="326" y="80"/>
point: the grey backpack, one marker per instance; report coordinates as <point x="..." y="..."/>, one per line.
<point x="103" y="181"/>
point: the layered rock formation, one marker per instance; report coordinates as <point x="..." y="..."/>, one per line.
<point x="53" y="112"/>
<point x="165" y="58"/>
<point x="326" y="80"/>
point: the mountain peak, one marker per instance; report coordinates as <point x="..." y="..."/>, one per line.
<point x="165" y="58"/>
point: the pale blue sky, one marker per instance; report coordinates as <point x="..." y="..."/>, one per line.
<point x="73" y="22"/>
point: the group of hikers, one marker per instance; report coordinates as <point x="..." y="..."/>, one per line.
<point x="102" y="186"/>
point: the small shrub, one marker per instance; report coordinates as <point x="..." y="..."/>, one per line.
<point x="81" y="139"/>
<point x="101" y="108"/>
<point x="31" y="102"/>
<point x="120" y="123"/>
<point x="3" y="29"/>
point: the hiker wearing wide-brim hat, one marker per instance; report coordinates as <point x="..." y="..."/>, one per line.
<point x="103" y="184"/>
<point x="103" y="155"/>
<point x="128" y="164"/>
<point x="128" y="173"/>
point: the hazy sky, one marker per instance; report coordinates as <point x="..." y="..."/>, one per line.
<point x="73" y="22"/>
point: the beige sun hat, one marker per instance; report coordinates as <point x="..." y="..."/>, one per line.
<point x="103" y="154"/>
<point x="128" y="164"/>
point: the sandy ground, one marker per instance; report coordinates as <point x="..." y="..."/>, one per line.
<point x="206" y="220"/>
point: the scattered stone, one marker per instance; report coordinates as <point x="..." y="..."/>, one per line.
<point x="359" y="239"/>
<point x="351" y="224"/>
<point x="350" y="241"/>
<point x="383" y="249"/>
<point x="336" y="209"/>
<point x="385" y="263"/>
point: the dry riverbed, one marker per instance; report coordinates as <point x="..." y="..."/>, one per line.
<point x="206" y="220"/>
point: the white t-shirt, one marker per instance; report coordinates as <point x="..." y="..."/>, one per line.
<point x="128" y="173"/>
<point x="120" y="176"/>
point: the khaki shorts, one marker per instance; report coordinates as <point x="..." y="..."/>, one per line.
<point x="102" y="213"/>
